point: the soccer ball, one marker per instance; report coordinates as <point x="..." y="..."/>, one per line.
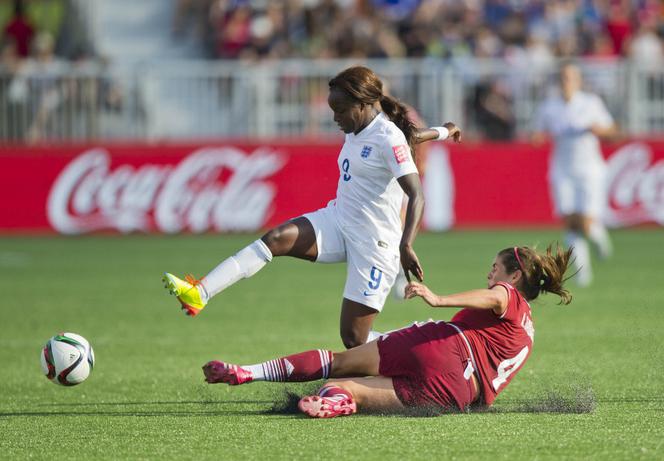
<point x="67" y="359"/>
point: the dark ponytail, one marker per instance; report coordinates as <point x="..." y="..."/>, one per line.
<point x="542" y="273"/>
<point x="398" y="113"/>
<point x="364" y="86"/>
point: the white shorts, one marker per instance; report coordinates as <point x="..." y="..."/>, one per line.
<point x="583" y="195"/>
<point x="371" y="269"/>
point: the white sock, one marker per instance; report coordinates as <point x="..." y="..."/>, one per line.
<point x="581" y="256"/>
<point x="243" y="264"/>
<point x="258" y="371"/>
<point x="600" y="237"/>
<point x="373" y="335"/>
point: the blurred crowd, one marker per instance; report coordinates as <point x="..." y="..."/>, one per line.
<point x="41" y="44"/>
<point x="538" y="30"/>
<point x="525" y="34"/>
<point x="43" y="40"/>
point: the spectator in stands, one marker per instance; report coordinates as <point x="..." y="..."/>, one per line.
<point x="13" y="93"/>
<point x="619" y="24"/>
<point x="600" y="46"/>
<point x="233" y="33"/>
<point x="646" y="49"/>
<point x="46" y="86"/>
<point x="382" y="28"/>
<point x="487" y="44"/>
<point x="538" y="53"/>
<point x="20" y="30"/>
<point x="527" y="34"/>
<point x="190" y="11"/>
<point x="492" y="106"/>
<point x="9" y="59"/>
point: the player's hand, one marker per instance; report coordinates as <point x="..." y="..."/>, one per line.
<point x="455" y="131"/>
<point x="410" y="263"/>
<point x="417" y="289"/>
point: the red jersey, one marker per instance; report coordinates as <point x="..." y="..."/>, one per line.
<point x="22" y="32"/>
<point x="500" y="344"/>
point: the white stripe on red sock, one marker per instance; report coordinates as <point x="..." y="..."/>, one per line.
<point x="325" y="362"/>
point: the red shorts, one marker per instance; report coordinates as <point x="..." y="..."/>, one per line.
<point x="427" y="364"/>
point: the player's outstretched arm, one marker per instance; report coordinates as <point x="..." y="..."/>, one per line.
<point x="494" y="298"/>
<point x="436" y="133"/>
<point x="412" y="186"/>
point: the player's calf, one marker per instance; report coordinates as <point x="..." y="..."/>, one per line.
<point x="305" y="366"/>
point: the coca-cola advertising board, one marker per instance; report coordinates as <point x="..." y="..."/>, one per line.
<point x="245" y="187"/>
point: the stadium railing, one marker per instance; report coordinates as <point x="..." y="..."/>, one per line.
<point x="203" y="99"/>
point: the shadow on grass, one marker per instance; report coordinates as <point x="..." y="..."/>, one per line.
<point x="130" y="413"/>
<point x="577" y="400"/>
<point x="571" y="400"/>
<point x="207" y="408"/>
<point x="285" y="400"/>
<point x="174" y="402"/>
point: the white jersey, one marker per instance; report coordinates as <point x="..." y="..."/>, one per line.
<point x="369" y="197"/>
<point x="576" y="149"/>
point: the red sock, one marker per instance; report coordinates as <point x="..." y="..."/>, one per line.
<point x="333" y="392"/>
<point x="305" y="366"/>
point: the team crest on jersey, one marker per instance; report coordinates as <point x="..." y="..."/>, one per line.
<point x="400" y="153"/>
<point x="366" y="151"/>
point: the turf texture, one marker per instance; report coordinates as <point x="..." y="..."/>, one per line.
<point x="592" y="389"/>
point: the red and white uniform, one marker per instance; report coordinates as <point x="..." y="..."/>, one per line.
<point x="500" y="345"/>
<point x="429" y="365"/>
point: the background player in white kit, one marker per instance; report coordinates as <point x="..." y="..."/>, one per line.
<point x="576" y="120"/>
<point x="362" y="225"/>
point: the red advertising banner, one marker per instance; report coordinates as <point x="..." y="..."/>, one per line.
<point x="242" y="187"/>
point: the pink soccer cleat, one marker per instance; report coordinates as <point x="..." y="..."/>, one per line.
<point x="327" y="407"/>
<point x="220" y="372"/>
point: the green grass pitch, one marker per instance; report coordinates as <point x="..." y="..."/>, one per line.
<point x="593" y="387"/>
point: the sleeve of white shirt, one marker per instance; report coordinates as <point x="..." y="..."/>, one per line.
<point x="601" y="114"/>
<point x="397" y="154"/>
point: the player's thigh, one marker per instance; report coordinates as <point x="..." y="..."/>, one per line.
<point x="574" y="222"/>
<point x="590" y="197"/>
<point x="563" y="193"/>
<point x="371" y="272"/>
<point x="293" y="238"/>
<point x="375" y="393"/>
<point x="363" y="360"/>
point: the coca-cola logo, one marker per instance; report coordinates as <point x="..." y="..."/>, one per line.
<point x="214" y="188"/>
<point x="635" y="187"/>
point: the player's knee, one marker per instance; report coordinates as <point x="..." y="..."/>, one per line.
<point x="575" y="223"/>
<point x="353" y="338"/>
<point x="275" y="239"/>
<point x="339" y="365"/>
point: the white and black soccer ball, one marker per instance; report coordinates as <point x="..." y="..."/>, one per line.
<point x="67" y="359"/>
